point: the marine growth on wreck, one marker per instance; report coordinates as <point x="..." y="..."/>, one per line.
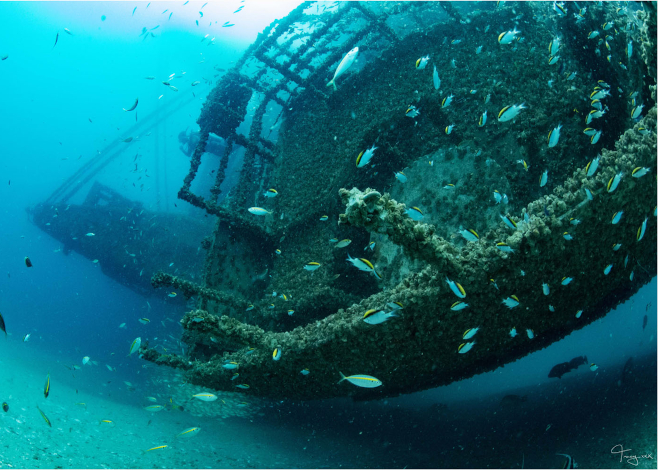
<point x="479" y="167"/>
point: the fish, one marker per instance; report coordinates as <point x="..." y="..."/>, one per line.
<point x="154" y="408"/>
<point x="137" y="342"/>
<point x="415" y="213"/>
<point x="465" y="347"/>
<point x="26" y="338"/>
<point x="304" y="372"/>
<point x="642" y="229"/>
<point x="45" y="418"/>
<point x="258" y="211"/>
<point x="508" y="221"/>
<point x="644" y="322"/>
<point x="589" y="194"/>
<point x="172" y="294"/>
<point x="497" y="196"/>
<point x="614" y="182"/>
<point x="276" y="354"/>
<point x="155" y="448"/>
<point x="566" y="281"/>
<point x="554" y="136"/>
<point x="449" y="129"/>
<point x="133" y="106"/>
<point x="422" y="62"/>
<point x="205" y="396"/>
<point x="470" y="235"/>
<point x="401" y="177"/>
<point x="617" y="217"/>
<point x="370" y="245"/>
<point x="468" y="334"/>
<point x="85" y="360"/>
<point x="195" y="83"/>
<point x="412" y="112"/>
<point x="530" y="333"/>
<point x="478" y="49"/>
<point x="591" y="167"/>
<point x="2" y="325"/>
<point x="593" y="34"/>
<point x="559" y="370"/>
<point x="508" y="36"/>
<point x="90" y="234"/>
<point x="512" y="332"/>
<point x="543" y="179"/>
<point x="5" y="407"/>
<point x="570" y="463"/>
<point x="546" y="289"/>
<point x="607" y="269"/>
<point x="361" y="380"/>
<point x="56" y="39"/>
<point x="554" y="46"/>
<point x="639" y="172"/>
<point x="504" y="247"/>
<point x="134" y="9"/>
<point x="456" y="288"/>
<point x="188" y="433"/>
<point x="290" y="312"/>
<point x="446" y="101"/>
<point x="343" y="243"/>
<point x="552" y="60"/>
<point x="345" y="64"/>
<point x="567" y="236"/>
<point x="636" y="112"/>
<point x="271" y="193"/>
<point x="510" y="112"/>
<point x="46" y="387"/>
<point x="435" y="79"/>
<point x="312" y="266"/>
<point x="483" y="119"/>
<point x="459" y="305"/>
<point x="593" y="367"/>
<point x="579" y="313"/>
<point x="395" y="305"/>
<point x="511" y="302"/>
<point x="28" y="262"/>
<point x="375" y="317"/>
<point x="365" y="156"/>
<point x="230" y="365"/>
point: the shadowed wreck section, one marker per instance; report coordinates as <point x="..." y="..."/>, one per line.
<point x="257" y="297"/>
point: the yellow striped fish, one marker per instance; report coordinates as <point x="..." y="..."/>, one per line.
<point x="361" y="380"/>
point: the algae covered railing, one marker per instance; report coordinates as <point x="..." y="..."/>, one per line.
<point x="257" y="296"/>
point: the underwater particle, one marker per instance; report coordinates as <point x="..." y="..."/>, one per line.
<point x="205" y="396"/>
<point x="365" y="156"/>
<point x="345" y="64"/>
<point x="276" y="354"/>
<point x="271" y="193"/>
<point x="374" y="317"/>
<point x="579" y="313"/>
<point x="639" y="172"/>
<point x="172" y="294"/>
<point x="511" y="302"/>
<point x="361" y="380"/>
<point x="554" y="136"/>
<point x="504" y="247"/>
<point x="607" y="269"/>
<point x="617" y="217"/>
<point x="422" y="62"/>
<point x="258" y="211"/>
<point x="188" y="433"/>
<point x="507" y="37"/>
<point x="28" y="262"/>
<point x="566" y="281"/>
<point x="530" y="333"/>
<point x="415" y="213"/>
<point x="132" y="108"/>
<point x="46" y="387"/>
<point x="103" y="17"/>
<point x="412" y="112"/>
<point x="469" y="235"/>
<point x="312" y="266"/>
<point x="446" y="101"/>
<point x="137" y="342"/>
<point x="545" y="288"/>
<point x="593" y="367"/>
<point x="343" y="243"/>
<point x="154" y="408"/>
<point x="435" y="79"/>
<point x="510" y="112"/>
<point x="567" y="236"/>
<point x="230" y="365"/>
<point x="5" y="407"/>
<point x="45" y="418"/>
<point x="456" y="288"/>
<point x="459" y="305"/>
<point x="508" y="221"/>
<point x="401" y="177"/>
<point x="468" y="334"/>
<point x="465" y="347"/>
<point x="642" y="229"/>
<point x="591" y="167"/>
<point x="512" y="332"/>
<point x="144" y="321"/>
<point x="304" y="372"/>
<point x="483" y="119"/>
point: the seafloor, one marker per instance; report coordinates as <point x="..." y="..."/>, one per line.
<point x="583" y="415"/>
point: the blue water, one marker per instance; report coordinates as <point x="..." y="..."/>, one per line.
<point x="60" y="106"/>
